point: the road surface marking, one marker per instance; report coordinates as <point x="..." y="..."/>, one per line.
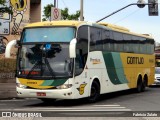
<point x="86" y="108"/>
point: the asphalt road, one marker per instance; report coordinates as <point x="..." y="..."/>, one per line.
<point x="119" y="104"/>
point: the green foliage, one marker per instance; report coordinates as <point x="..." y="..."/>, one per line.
<point x="44" y="19"/>
<point x="67" y="16"/>
<point x="47" y="12"/>
<point x="2" y="2"/>
<point x="64" y="13"/>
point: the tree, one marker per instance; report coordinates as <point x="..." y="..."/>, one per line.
<point x="2" y="2"/>
<point x="47" y="12"/>
<point x="64" y="13"/>
<point x="4" y="8"/>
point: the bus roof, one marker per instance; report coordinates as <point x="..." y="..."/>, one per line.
<point x="124" y="30"/>
<point x="56" y="23"/>
<point x="78" y="23"/>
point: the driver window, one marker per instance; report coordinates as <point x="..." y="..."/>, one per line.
<point x="81" y="49"/>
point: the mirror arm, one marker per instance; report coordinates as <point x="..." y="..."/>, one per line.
<point x="72" y="48"/>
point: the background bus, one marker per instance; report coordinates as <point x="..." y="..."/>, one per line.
<point x="75" y="59"/>
<point x="157" y="57"/>
<point x="157" y="67"/>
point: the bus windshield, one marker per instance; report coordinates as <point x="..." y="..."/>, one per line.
<point x="157" y="70"/>
<point x="44" y="53"/>
<point x="50" y="34"/>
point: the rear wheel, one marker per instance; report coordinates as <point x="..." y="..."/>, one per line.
<point x="139" y="85"/>
<point x="95" y="92"/>
<point x="145" y="83"/>
<point x="143" y="86"/>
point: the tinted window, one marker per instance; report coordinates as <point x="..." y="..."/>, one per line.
<point x="118" y="42"/>
<point x="127" y="43"/>
<point x="96" y="42"/>
<point x="81" y="49"/>
<point x="107" y="39"/>
<point x="117" y="36"/>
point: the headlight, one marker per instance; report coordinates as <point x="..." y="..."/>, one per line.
<point x="21" y="86"/>
<point x="64" y="86"/>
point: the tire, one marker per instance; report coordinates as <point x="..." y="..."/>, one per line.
<point x="95" y="92"/>
<point x="144" y="86"/>
<point x="139" y="86"/>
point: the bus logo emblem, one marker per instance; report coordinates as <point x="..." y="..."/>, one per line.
<point x="81" y="89"/>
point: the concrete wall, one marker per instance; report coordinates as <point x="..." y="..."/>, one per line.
<point x="24" y="12"/>
<point x="12" y="24"/>
<point x="7" y="78"/>
<point x="35" y="14"/>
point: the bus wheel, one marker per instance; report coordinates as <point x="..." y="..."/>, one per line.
<point x="139" y="86"/>
<point x="47" y="100"/>
<point x="95" y="92"/>
<point x="144" y="84"/>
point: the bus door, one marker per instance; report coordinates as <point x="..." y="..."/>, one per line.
<point x="81" y="75"/>
<point x="81" y="72"/>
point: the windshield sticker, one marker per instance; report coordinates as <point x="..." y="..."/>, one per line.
<point x="48" y="46"/>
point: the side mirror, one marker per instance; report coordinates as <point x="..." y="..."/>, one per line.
<point x="72" y="48"/>
<point x="18" y="44"/>
<point x="8" y="48"/>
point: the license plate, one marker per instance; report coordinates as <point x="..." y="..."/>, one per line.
<point x="41" y="94"/>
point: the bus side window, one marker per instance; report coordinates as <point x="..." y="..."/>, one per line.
<point x="96" y="42"/>
<point x="118" y="42"/>
<point x="127" y="43"/>
<point x="108" y="41"/>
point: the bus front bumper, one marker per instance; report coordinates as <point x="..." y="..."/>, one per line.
<point x="52" y="93"/>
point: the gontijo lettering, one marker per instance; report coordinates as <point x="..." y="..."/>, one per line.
<point x="135" y="60"/>
<point x="31" y="82"/>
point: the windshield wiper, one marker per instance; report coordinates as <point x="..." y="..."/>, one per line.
<point x="40" y="63"/>
<point x="49" y="67"/>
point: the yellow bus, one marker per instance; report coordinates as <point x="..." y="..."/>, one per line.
<point x="78" y="59"/>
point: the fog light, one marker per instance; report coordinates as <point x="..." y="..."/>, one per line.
<point x="70" y="93"/>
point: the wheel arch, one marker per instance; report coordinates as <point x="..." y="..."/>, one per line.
<point x="96" y="79"/>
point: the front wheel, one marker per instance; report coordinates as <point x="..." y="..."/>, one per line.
<point x="95" y="92"/>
